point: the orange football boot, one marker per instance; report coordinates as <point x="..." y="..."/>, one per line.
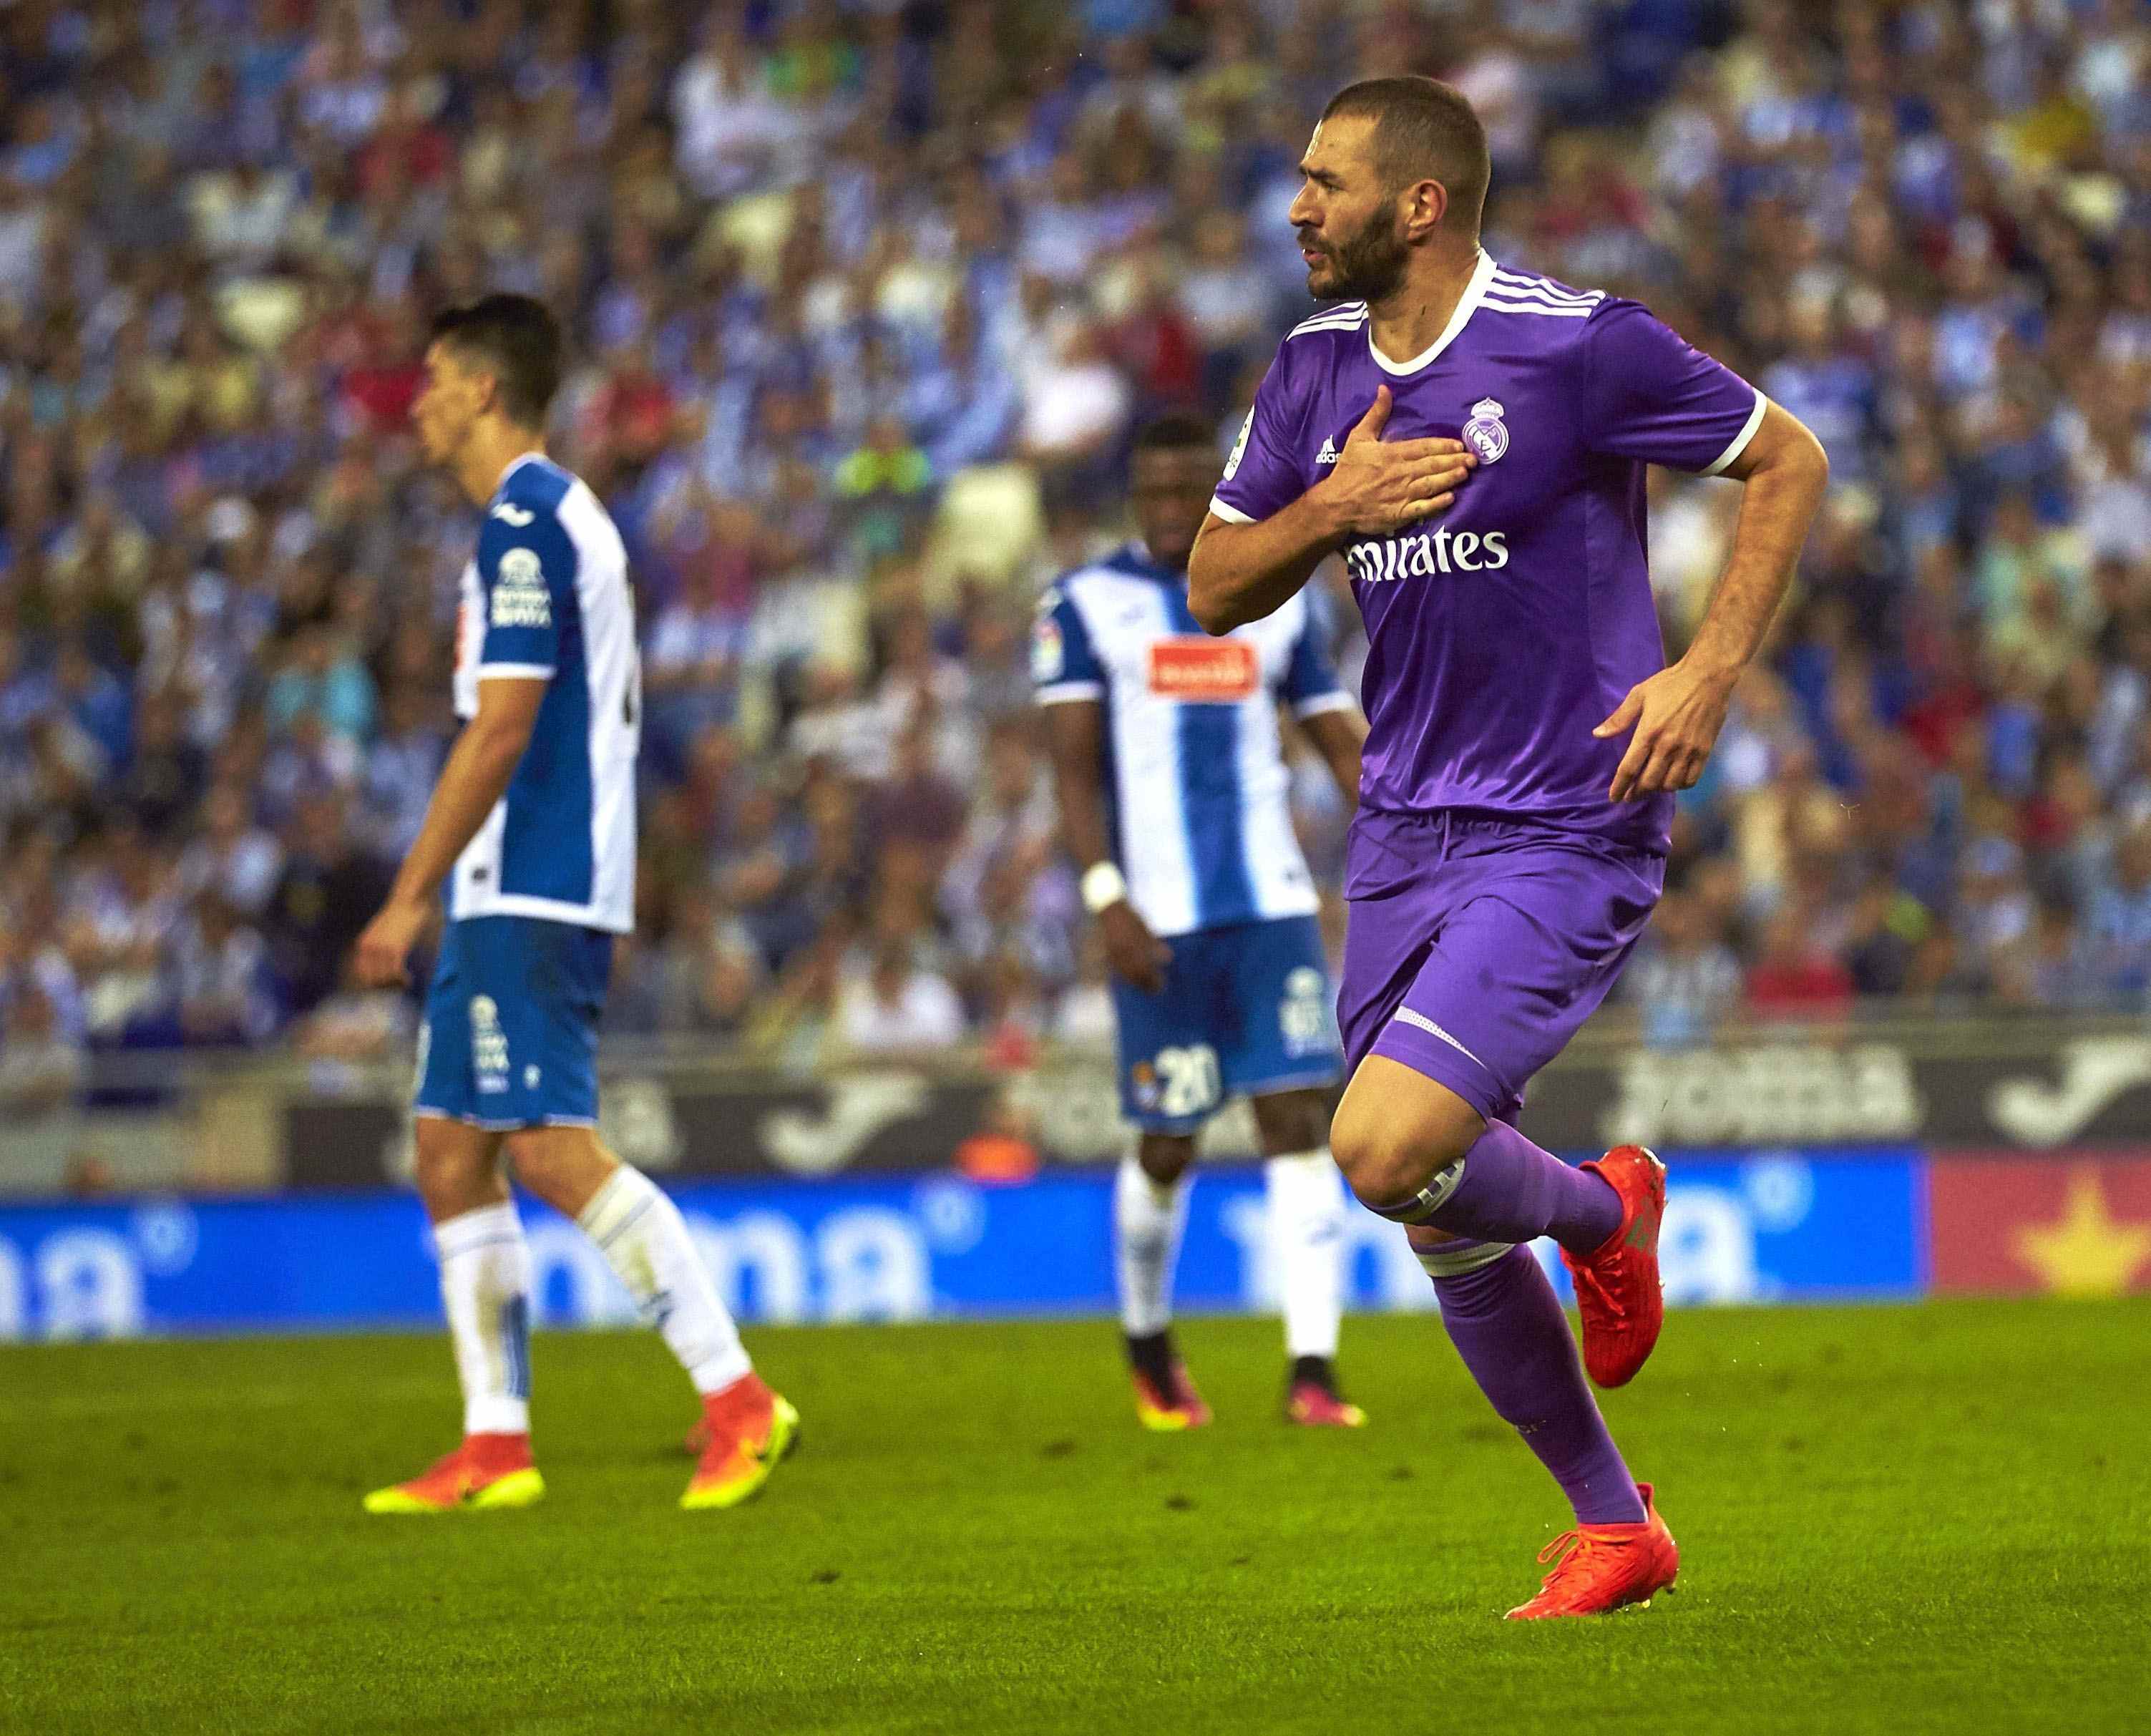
<point x="1313" y="1401"/>
<point x="1170" y="1406"/>
<point x="1601" y="1567"/>
<point x="487" y="1471"/>
<point x="1617" y="1290"/>
<point x="748" y="1430"/>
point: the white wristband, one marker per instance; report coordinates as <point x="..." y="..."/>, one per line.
<point x="1103" y="886"/>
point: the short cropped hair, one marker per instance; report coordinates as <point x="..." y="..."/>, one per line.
<point x="1176" y="433"/>
<point x="517" y="340"/>
<point x="1424" y="130"/>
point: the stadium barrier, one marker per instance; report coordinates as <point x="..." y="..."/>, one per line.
<point x="274" y="1121"/>
<point x="257" y="1124"/>
<point x="2032" y="1089"/>
<point x="1869" y="1161"/>
<point x="1791" y="1224"/>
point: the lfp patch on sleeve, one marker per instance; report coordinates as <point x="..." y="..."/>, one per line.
<point x="519" y="596"/>
<point x="1239" y="448"/>
<point x="1049" y="654"/>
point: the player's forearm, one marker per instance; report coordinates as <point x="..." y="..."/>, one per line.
<point x="472" y="782"/>
<point x="1240" y="573"/>
<point x="1083" y="830"/>
<point x="1783" y="488"/>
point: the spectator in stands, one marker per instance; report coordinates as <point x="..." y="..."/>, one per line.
<point x="858" y="292"/>
<point x="2120" y="924"/>
<point x="43" y="1065"/>
<point x="1686" y="980"/>
<point x="892" y="1009"/>
<point x="1796" y="978"/>
<point x="331" y="884"/>
<point x="222" y="984"/>
<point x="400" y="767"/>
<point x="233" y="857"/>
<point x="2048" y="971"/>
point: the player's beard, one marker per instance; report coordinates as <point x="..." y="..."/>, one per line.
<point x="1368" y="268"/>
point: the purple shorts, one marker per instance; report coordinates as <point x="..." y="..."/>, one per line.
<point x="1479" y="945"/>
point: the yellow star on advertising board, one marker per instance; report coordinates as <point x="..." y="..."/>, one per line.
<point x="2088" y="1250"/>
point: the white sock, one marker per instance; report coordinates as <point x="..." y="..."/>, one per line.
<point x="485" y="1286"/>
<point x="1307" y="1229"/>
<point x="645" y="1239"/>
<point x="1147" y="1217"/>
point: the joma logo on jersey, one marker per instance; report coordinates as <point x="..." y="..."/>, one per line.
<point x="1427" y="553"/>
<point x="1219" y="669"/>
<point x="519" y="596"/>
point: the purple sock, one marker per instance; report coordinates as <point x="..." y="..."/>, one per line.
<point x="1512" y="1191"/>
<point x="1507" y="1325"/>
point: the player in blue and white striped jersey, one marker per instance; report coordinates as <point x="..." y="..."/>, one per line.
<point x="1173" y="787"/>
<point x="532" y="830"/>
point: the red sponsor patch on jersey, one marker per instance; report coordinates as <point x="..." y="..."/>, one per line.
<point x="1224" y="670"/>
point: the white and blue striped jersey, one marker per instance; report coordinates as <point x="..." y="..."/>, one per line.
<point x="1196" y="781"/>
<point x="548" y="598"/>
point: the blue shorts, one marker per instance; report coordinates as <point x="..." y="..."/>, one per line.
<point x="1477" y="946"/>
<point x="511" y="1033"/>
<point x="1245" y="1010"/>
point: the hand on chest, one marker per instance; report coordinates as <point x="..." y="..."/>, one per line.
<point x="1523" y="452"/>
<point x="1516" y="437"/>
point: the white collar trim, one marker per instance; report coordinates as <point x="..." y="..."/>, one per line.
<point x="1467" y="304"/>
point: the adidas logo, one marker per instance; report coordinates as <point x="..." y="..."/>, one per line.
<point x="1328" y="455"/>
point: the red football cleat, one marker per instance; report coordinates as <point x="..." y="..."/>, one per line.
<point x="1312" y="1405"/>
<point x="1601" y="1568"/>
<point x="1169" y="1407"/>
<point x="1617" y="1284"/>
<point x="748" y="1430"/>
<point x="487" y="1471"/>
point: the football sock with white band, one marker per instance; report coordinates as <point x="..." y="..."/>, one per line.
<point x="485" y="1288"/>
<point x="1307" y="1230"/>
<point x="645" y="1239"/>
<point x="1147" y="1218"/>
<point x="1506" y="1189"/>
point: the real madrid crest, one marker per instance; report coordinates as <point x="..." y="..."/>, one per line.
<point x="1486" y="433"/>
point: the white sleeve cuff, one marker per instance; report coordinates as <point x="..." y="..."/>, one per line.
<point x="515" y="672"/>
<point x="1231" y="514"/>
<point x="1061" y="693"/>
<point x="1336" y="700"/>
<point x="1741" y="440"/>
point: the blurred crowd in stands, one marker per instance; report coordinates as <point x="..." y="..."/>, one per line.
<point x="867" y="299"/>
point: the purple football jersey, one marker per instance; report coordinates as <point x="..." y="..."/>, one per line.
<point x="1503" y="630"/>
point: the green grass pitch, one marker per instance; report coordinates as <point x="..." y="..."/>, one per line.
<point x="1928" y="1518"/>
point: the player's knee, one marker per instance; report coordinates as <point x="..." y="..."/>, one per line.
<point x="1381" y="1171"/>
<point x="1387" y="1158"/>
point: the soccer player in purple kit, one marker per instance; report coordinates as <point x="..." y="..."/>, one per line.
<point x="1472" y="438"/>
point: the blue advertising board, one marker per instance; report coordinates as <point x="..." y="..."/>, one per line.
<point x="1739" y="1227"/>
